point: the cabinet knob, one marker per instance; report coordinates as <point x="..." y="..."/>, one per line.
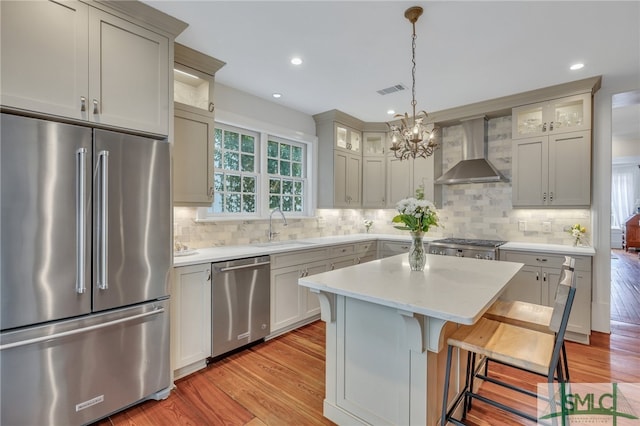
<point x="544" y="127"/>
<point x="332" y="267"/>
<point x="95" y="107"/>
<point x="83" y="104"/>
<point x="550" y="196"/>
<point x="544" y="196"/>
<point x="208" y="274"/>
<point x="537" y="276"/>
<point x="211" y="107"/>
<point x="551" y="126"/>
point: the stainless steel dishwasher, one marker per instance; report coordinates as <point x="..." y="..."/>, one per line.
<point x="240" y="303"/>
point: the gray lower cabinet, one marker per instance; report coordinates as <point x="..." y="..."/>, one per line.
<point x="190" y="318"/>
<point x="537" y="282"/>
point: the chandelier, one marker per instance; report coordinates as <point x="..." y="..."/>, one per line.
<point x="411" y="138"/>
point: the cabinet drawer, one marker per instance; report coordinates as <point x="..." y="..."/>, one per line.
<point x="298" y="257"/>
<point x="342" y="250"/>
<point x="546" y="260"/>
<point x="395" y="247"/>
<point x="365" y="249"/>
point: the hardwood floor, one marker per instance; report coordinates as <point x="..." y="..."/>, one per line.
<point x="625" y="286"/>
<point x="281" y="382"/>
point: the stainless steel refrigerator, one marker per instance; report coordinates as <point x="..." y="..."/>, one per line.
<point x="86" y="255"/>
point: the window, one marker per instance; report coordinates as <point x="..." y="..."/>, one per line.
<point x="285" y="170"/>
<point x="235" y="176"/>
<point x="255" y="173"/>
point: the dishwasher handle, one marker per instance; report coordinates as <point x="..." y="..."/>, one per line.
<point x="247" y="266"/>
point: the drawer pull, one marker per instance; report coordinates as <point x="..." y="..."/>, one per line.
<point x="541" y="260"/>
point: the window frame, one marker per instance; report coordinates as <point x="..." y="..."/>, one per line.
<point x="287" y="136"/>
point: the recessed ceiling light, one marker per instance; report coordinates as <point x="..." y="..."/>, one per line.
<point x="296" y="61"/>
<point x="576" y="66"/>
<point x="391" y="112"/>
<point x="277" y="95"/>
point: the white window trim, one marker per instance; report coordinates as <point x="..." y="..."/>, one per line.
<point x="265" y="130"/>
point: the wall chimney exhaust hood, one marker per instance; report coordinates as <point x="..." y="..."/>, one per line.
<point x="474" y="167"/>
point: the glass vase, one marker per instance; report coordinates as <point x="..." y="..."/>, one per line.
<point x="417" y="253"/>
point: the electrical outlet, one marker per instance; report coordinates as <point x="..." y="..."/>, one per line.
<point x="546" y="227"/>
<point x="322" y="222"/>
<point x="522" y="225"/>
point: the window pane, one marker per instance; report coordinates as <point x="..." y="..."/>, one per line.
<point x="297" y="188"/>
<point x="217" y="202"/>
<point x="285" y="168"/>
<point x="217" y="183"/>
<point x="274" y="186"/>
<point x="248" y="144"/>
<point x="287" y="203"/>
<point x="217" y="159"/>
<point x="297" y="204"/>
<point x="272" y="166"/>
<point x="232" y="203"/>
<point x="296" y="169"/>
<point x="287" y="187"/>
<point x="248" y="203"/>
<point x="248" y="184"/>
<point x="233" y="183"/>
<point x="231" y="161"/>
<point x="274" y="201"/>
<point x="285" y="151"/>
<point x="231" y="141"/>
<point x="248" y="163"/>
<point x="217" y="139"/>
<point x="272" y="149"/>
<point x="296" y="153"/>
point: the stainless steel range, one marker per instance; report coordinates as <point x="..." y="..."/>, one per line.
<point x="464" y="247"/>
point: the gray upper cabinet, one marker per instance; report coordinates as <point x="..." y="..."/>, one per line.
<point x="76" y="61"/>
<point x="339" y="160"/>
<point x="194" y="127"/>
<point x="552" y="166"/>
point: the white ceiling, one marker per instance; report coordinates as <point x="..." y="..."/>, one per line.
<point x="466" y="51"/>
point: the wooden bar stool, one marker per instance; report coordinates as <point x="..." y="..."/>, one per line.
<point x="527" y="315"/>
<point x="523" y="348"/>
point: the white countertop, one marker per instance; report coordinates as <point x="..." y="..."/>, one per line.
<point x="450" y="288"/>
<point x="223" y="253"/>
<point x="550" y="248"/>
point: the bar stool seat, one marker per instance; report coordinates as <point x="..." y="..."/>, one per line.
<point x="523" y="314"/>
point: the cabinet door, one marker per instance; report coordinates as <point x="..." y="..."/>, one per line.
<point x="580" y="318"/>
<point x="310" y="302"/>
<point x="373" y="182"/>
<point x="192" y="157"/>
<point x="44" y="56"/>
<point x="340" y="164"/>
<point x="354" y="180"/>
<point x="570" y="114"/>
<point x="526" y="286"/>
<point x="399" y="177"/>
<point x="373" y="144"/>
<point x="530" y="172"/>
<point x="286" y="295"/>
<point x="129" y="69"/>
<point x="191" y="315"/>
<point x="570" y="169"/>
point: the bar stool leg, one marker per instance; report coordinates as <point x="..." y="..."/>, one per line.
<point x="447" y="376"/>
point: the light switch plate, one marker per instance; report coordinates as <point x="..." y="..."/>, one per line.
<point x="522" y="225"/>
<point x="546" y="227"/>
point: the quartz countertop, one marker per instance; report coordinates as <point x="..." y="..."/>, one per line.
<point x="550" y="248"/>
<point x="223" y="253"/>
<point x="450" y="288"/>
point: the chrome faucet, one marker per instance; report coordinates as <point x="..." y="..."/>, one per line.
<point x="271" y="233"/>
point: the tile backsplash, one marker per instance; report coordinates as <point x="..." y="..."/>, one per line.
<point x="468" y="210"/>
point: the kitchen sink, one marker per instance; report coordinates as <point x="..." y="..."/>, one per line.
<point x="289" y="243"/>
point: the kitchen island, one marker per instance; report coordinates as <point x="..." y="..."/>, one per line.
<point x="386" y="328"/>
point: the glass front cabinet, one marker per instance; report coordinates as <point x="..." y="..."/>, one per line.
<point x="569" y="114"/>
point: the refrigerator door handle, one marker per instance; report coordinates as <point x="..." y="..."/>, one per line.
<point x="80" y="330"/>
<point x="81" y="155"/>
<point x="103" y="222"/>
